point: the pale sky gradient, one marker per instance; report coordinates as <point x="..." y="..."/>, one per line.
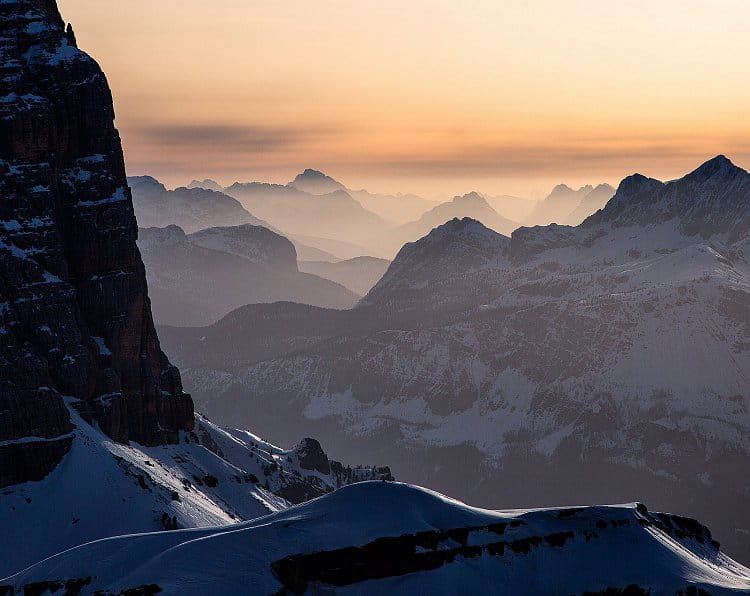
<point x="429" y="96"/>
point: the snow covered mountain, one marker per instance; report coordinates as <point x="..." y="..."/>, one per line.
<point x="195" y="279"/>
<point x="521" y="370"/>
<point x="97" y="437"/>
<point x="427" y="544"/>
<point x="210" y="477"/>
<point x="191" y="209"/>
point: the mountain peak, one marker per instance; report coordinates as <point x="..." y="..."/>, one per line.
<point x="459" y="224"/>
<point x="471" y="197"/>
<point x="315" y="182"/>
<point x="719" y="167"/>
<point x="207" y="184"/>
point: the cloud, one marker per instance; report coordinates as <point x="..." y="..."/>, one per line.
<point x="227" y="138"/>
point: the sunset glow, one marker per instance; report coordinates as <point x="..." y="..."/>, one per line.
<point x="431" y="97"/>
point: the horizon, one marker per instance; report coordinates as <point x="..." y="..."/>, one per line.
<point x="251" y="94"/>
<point x="317" y="372"/>
<point x="538" y="198"/>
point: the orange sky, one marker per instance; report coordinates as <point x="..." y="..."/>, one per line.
<point x="428" y="96"/>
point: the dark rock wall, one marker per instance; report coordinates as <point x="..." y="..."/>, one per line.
<point x="75" y="318"/>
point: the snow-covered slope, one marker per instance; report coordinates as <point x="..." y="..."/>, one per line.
<point x="618" y="348"/>
<point x="388" y="538"/>
<point x="212" y="477"/>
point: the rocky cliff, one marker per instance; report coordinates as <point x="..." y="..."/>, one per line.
<point x="75" y="318"/>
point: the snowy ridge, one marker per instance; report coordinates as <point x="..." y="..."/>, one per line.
<point x="427" y="543"/>
<point x="211" y="477"/>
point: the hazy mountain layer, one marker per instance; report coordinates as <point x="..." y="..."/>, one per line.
<point x="583" y="364"/>
<point x="471" y="205"/>
<point x="359" y="274"/>
<point x="196" y="279"/>
<point x="191" y="209"/>
<point x="334" y="216"/>
<point x="565" y="205"/>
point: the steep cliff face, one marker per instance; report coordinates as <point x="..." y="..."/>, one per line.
<point x="75" y="318"/>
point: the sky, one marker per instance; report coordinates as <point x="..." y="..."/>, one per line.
<point x="436" y="97"/>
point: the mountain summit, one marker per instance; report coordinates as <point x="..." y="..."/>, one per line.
<point x="316" y="183"/>
<point x="712" y="200"/>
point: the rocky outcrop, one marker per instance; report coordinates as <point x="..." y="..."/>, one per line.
<point x="75" y="318"/>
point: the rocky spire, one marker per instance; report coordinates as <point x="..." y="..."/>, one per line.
<point x="75" y="319"/>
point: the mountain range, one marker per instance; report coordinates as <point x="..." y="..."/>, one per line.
<point x="104" y="461"/>
<point x="195" y="279"/>
<point x="567" y="206"/>
<point x="471" y="205"/>
<point x="192" y="209"/>
<point x="524" y="369"/>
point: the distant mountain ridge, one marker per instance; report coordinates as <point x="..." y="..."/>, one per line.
<point x="334" y="215"/>
<point x="197" y="278"/>
<point x="359" y="274"/>
<point x="190" y="208"/>
<point x="316" y="183"/>
<point x="472" y="205"/>
<point x="567" y="206"/>
<point x="206" y="184"/>
<point x="619" y="345"/>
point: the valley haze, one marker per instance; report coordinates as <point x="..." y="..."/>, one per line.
<point x="408" y="266"/>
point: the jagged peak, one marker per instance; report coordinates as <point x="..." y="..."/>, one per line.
<point x="309" y="172"/>
<point x="470" y="197"/>
<point x="315" y="182"/>
<point x="460" y="228"/>
<point x="636" y="183"/>
<point x="719" y="167"/>
<point x="561" y="188"/>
